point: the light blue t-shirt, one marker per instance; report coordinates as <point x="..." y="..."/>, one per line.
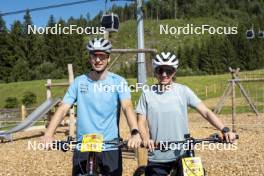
<point x="167" y="117"/>
<point x="98" y="104"/>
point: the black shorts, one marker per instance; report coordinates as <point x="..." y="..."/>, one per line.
<point x="163" y="169"/>
<point x="109" y="162"/>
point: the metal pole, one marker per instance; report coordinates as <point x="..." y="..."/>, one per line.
<point x="146" y="50"/>
<point x="142" y="77"/>
<point x="106" y="35"/>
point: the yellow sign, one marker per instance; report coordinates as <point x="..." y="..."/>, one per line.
<point x="92" y="143"/>
<point x="192" y="166"/>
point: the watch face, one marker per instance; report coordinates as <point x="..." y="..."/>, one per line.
<point x="134" y="132"/>
<point x="226" y="129"/>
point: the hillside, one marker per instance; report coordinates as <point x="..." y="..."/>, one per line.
<point x="215" y="85"/>
<point x="126" y="37"/>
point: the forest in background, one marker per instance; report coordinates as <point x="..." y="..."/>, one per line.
<point x="26" y="56"/>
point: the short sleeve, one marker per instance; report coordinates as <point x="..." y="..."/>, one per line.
<point x="71" y="95"/>
<point x="192" y="99"/>
<point x="142" y="105"/>
<point x="123" y="90"/>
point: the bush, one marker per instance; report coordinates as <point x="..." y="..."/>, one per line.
<point x="11" y="102"/>
<point x="29" y="99"/>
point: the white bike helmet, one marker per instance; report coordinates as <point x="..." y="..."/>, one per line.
<point x="165" y="59"/>
<point x="99" y="45"/>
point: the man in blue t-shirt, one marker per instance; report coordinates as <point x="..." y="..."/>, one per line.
<point x="99" y="95"/>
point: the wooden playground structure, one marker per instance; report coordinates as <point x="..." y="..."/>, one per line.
<point x="231" y="89"/>
<point x="71" y="114"/>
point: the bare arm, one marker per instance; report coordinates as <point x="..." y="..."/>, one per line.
<point x="135" y="140"/>
<point x="210" y="116"/>
<point x="144" y="132"/>
<point x="56" y="119"/>
<point x="215" y="121"/>
<point x="130" y="114"/>
<point x="143" y="127"/>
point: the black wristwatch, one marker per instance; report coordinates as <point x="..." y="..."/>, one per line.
<point x="225" y="130"/>
<point x="134" y="132"/>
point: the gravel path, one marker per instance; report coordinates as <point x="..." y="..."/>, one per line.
<point x="16" y="159"/>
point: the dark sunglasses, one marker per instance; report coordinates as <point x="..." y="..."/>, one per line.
<point x="167" y="69"/>
<point x="100" y="56"/>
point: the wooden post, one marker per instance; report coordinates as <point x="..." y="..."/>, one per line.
<point x="206" y="91"/>
<point x="71" y="75"/>
<point x="250" y="102"/>
<point x="235" y="77"/>
<point x="49" y="116"/>
<point x="142" y="157"/>
<point x="231" y="88"/>
<point x="130" y="50"/>
<point x="233" y="106"/>
<point x="112" y="63"/>
<point x="233" y="72"/>
<point x="72" y="114"/>
<point x="220" y="104"/>
<point x="23" y="112"/>
<point x="48" y="88"/>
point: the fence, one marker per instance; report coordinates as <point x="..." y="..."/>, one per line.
<point x="10" y="117"/>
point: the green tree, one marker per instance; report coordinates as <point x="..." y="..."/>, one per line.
<point x="194" y="55"/>
<point x="27" y="22"/>
<point x="48" y="70"/>
<point x="228" y="54"/>
<point x="20" y="71"/>
<point x="50" y="42"/>
<point x="34" y="45"/>
<point x="18" y="52"/>
<point x="186" y="56"/>
<point x="5" y="53"/>
<point x="203" y="57"/>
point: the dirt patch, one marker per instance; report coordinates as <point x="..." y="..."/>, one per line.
<point x="248" y="159"/>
